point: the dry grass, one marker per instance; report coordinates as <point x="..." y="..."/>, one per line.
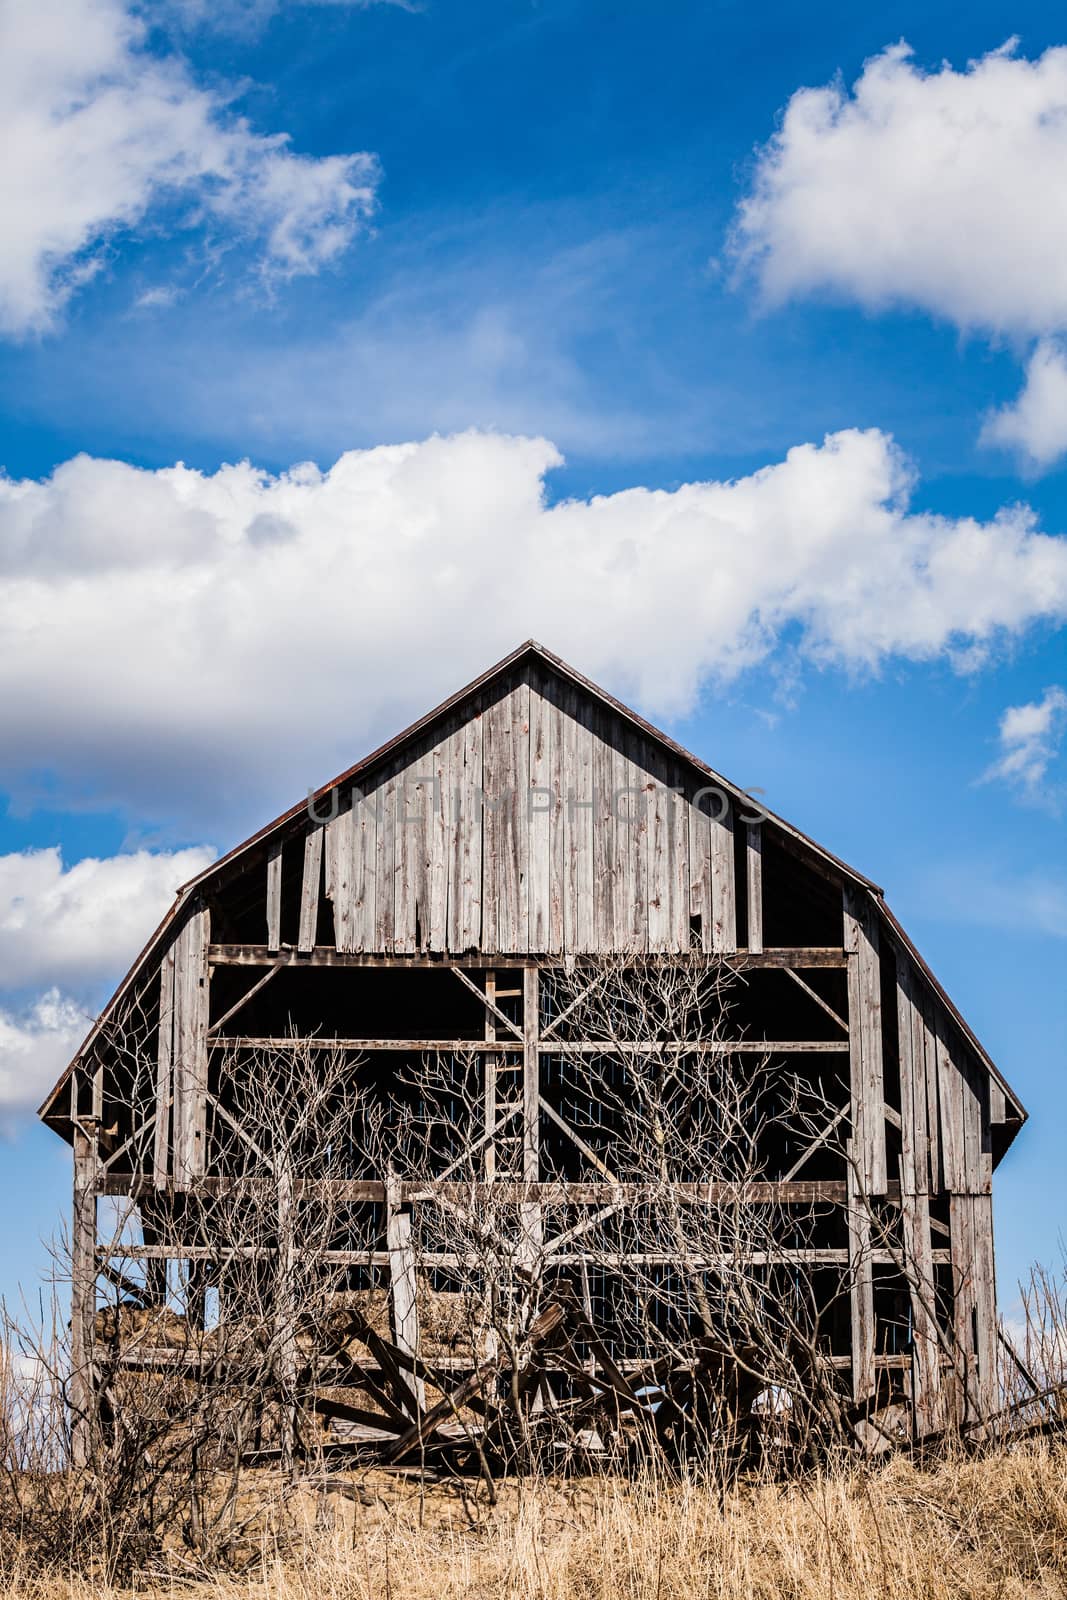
<point x="965" y="1530"/>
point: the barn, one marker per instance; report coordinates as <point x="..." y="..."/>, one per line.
<point x="527" y="899"/>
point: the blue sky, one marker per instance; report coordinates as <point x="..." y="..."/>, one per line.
<point x="620" y="234"/>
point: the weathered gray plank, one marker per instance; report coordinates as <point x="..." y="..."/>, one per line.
<point x="505" y="767"/>
<point x="434" y="922"/>
<point x="578" y="823"/>
<point x="310" y="887"/>
<point x="385" y="876"/>
<point x="661" y="887"/>
<point x="465" y="884"/>
<point x="861" y="1285"/>
<point x="340" y="872"/>
<point x="964" y="1303"/>
<point x="190" y="1047"/>
<point x="545" y="824"/>
<point x="933" y="1113"/>
<point x="531" y="1221"/>
<point x="531" y="1090"/>
<point x="754" y="884"/>
<point x="414" y="804"/>
<point x="865" y="1039"/>
<point x="164" y="1070"/>
<point x="636" y="808"/>
<point x="915" y="1173"/>
<point x="274" y="896"/>
<point x="603" y="834"/>
<point x="699" y="857"/>
<point x="977" y="1146"/>
<point x="557" y="831"/>
<point x="678" y="858"/>
<point x="926" y="1350"/>
<point x="364" y="888"/>
<point x="950" y="1106"/>
<point x="723" y="878"/>
<point x="985" y="1301"/>
<point x="81" y="1381"/>
<point x="403" y="1286"/>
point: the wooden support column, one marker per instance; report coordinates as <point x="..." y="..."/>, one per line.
<point x="274" y="897"/>
<point x="190" y="1052"/>
<point x="490" y="1082"/>
<point x="403" y="1284"/>
<point x="974" y="1305"/>
<point x="915" y="1206"/>
<point x="164" y="1071"/>
<point x="754" y="876"/>
<point x="531" y="1105"/>
<point x="861" y="1285"/>
<point x="985" y="1303"/>
<point x="964" y="1307"/>
<point x="926" y="1345"/>
<point x="865" y="1040"/>
<point x="310" y="890"/>
<point x="285" y="1310"/>
<point x="82" y="1388"/>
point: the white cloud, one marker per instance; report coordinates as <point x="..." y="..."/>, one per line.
<point x="35" y="1046"/>
<point x="945" y="190"/>
<point x="194" y="645"/>
<point x="1030" y="738"/>
<point x="72" y="929"/>
<point x="1035" y="425"/>
<point x="80" y="924"/>
<point x="96" y="132"/>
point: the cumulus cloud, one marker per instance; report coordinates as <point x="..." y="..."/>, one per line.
<point x="1035" y="425"/>
<point x="67" y="931"/>
<point x="187" y="643"/>
<point x="1030" y="739"/>
<point x="79" y="924"/>
<point x="945" y="190"/>
<point x="97" y="131"/>
<point x="35" y="1045"/>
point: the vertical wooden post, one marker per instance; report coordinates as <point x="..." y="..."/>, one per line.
<point x="285" y="1312"/>
<point x="83" y="1296"/>
<point x="754" y="876"/>
<point x="310" y="891"/>
<point x="985" y="1297"/>
<point x="164" y="1071"/>
<point x="915" y="1206"/>
<point x="926" y="1349"/>
<point x="190" y="1063"/>
<point x="964" y="1305"/>
<point x="531" y="1105"/>
<point x="403" y="1283"/>
<point x="865" y="1040"/>
<point x="490" y="1082"/>
<point x="861" y="1284"/>
<point x="274" y="896"/>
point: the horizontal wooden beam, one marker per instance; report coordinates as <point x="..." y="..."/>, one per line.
<point x="554" y="1047"/>
<point x="370" y="1191"/>
<point x="451" y="1259"/>
<point x="260" y="955"/>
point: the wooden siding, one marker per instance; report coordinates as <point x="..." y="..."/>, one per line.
<point x="533" y="821"/>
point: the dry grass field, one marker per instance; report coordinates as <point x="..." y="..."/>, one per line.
<point x="984" y="1528"/>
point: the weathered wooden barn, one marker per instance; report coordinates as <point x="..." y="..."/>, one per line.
<point x="418" y="907"/>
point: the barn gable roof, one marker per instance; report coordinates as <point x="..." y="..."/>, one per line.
<point x="531" y="652"/>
